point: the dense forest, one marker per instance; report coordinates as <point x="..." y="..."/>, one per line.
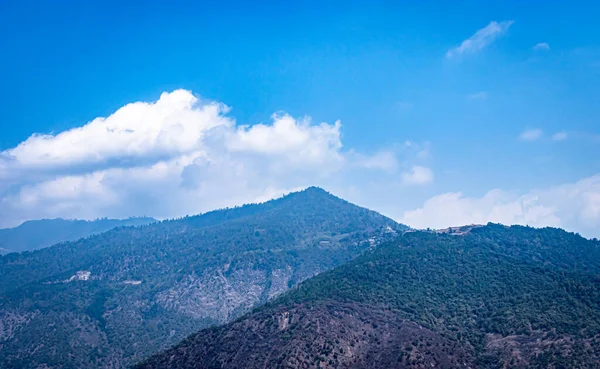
<point x="480" y="297"/>
<point x="113" y="299"/>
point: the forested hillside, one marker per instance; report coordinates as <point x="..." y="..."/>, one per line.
<point x="484" y="297"/>
<point x="37" y="234"/>
<point x="115" y="298"/>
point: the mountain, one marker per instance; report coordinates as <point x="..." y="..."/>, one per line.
<point x="37" y="234"/>
<point x="476" y="297"/>
<point x="115" y="298"/>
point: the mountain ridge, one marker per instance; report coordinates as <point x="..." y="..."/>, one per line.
<point x="36" y="234"/>
<point x="116" y="297"/>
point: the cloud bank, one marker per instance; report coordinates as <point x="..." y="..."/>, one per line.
<point x="574" y="206"/>
<point x="182" y="155"/>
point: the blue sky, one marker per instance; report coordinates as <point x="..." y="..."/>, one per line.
<point x="514" y="109"/>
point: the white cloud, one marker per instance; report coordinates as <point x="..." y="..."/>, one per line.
<point x="480" y="39"/>
<point x="172" y="126"/>
<point x="417" y="175"/>
<point x="574" y="206"/>
<point x="386" y="160"/>
<point x="531" y="134"/>
<point x="180" y="155"/>
<point x="560" y="136"/>
<point x="481" y="95"/>
<point x="420" y="151"/>
<point x="542" y="46"/>
<point x="296" y="139"/>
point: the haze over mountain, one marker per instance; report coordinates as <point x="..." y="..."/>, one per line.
<point x="37" y="234"/>
<point x="477" y="297"/>
<point x="113" y="299"/>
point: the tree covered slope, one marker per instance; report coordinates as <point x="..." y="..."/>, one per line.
<point x="112" y="299"/>
<point x="490" y="297"/>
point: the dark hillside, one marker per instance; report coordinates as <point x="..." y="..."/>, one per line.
<point x="478" y="300"/>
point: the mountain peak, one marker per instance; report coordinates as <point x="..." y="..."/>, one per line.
<point x="315" y="189"/>
<point x="313" y="192"/>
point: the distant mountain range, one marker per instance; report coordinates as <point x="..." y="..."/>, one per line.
<point x="476" y="297"/>
<point x="115" y="298"/>
<point x="37" y="234"/>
